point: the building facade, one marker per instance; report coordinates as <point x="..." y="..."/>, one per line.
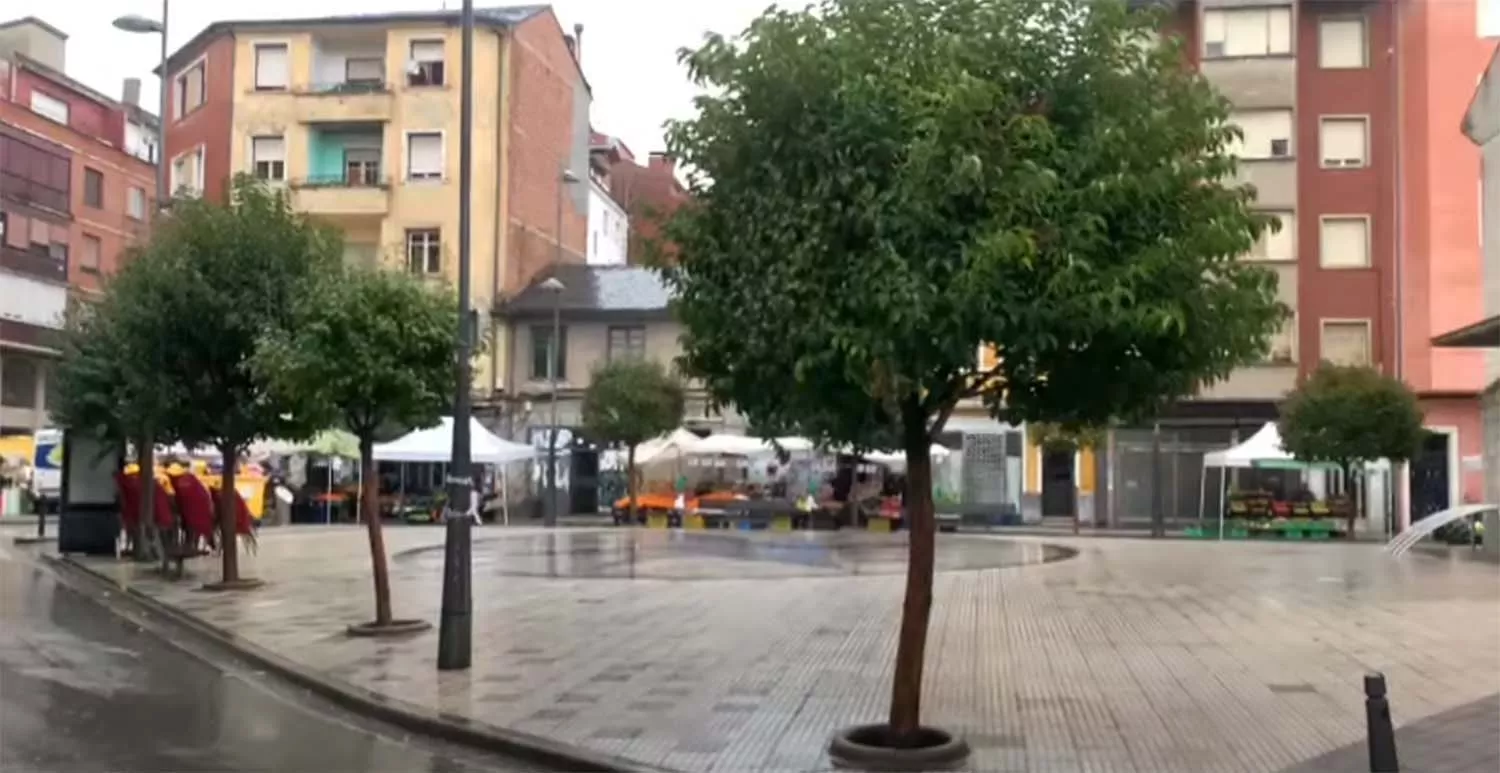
<point x="76" y="189"/>
<point x="609" y="224"/>
<point x="358" y="117"/>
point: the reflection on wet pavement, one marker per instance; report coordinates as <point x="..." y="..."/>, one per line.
<point x="714" y="555"/>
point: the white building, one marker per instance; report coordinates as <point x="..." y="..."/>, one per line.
<point x="609" y="225"/>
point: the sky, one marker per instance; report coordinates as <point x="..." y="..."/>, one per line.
<point x="629" y="46"/>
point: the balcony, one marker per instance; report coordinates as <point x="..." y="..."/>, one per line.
<point x="32" y="193"/>
<point x="349" y="79"/>
<point x="344" y="101"/>
<point x="39" y="265"/>
<point x="342" y="196"/>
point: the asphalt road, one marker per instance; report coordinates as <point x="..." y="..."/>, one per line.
<point x="83" y="690"/>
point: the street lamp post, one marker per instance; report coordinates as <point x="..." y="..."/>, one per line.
<point x="141" y="24"/>
<point x="455" y="626"/>
<point x="554" y="350"/>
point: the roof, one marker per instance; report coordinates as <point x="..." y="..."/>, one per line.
<point x="4" y="25"/>
<point x="500" y="16"/>
<point x="593" y="290"/>
<point x="1484" y="334"/>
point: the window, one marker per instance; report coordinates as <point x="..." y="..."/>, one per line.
<point x="93" y="188"/>
<point x="187" y="173"/>
<point x="1247" y="32"/>
<point x="1283" y="348"/>
<point x="626" y="343"/>
<point x="190" y="90"/>
<point x="268" y="158"/>
<point x="1345" y="142"/>
<point x="1345" y="242"/>
<point x="362" y="166"/>
<point x="135" y="203"/>
<point x="426" y="65"/>
<point x="1341" y="43"/>
<point x="1346" y="342"/>
<point x="1267" y="134"/>
<point x="18" y="380"/>
<point x="424" y="251"/>
<point x="1489" y="18"/>
<point x="48" y="106"/>
<point x="271" y="70"/>
<point x="1279" y="246"/>
<point x="366" y="71"/>
<point x="88" y="258"/>
<point x="424" y="156"/>
<point x="541" y="339"/>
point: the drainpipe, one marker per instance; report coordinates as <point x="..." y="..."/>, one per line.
<point x="1400" y="471"/>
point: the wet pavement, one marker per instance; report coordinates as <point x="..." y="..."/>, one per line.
<point x="745" y="651"/>
<point x="83" y="690"/>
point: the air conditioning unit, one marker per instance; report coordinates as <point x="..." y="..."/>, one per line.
<point x="1213" y="49"/>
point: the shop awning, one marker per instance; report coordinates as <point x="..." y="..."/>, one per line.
<point x="1484" y="334"/>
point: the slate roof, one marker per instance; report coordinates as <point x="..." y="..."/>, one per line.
<point x="594" y="291"/>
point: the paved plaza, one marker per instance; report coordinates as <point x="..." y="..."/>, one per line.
<point x="733" y="651"/>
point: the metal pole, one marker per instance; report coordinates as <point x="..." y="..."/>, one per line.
<point x="455" y="627"/>
<point x="161" y="118"/>
<point x="554" y="350"/>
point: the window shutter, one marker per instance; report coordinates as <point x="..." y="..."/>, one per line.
<point x="1246" y="33"/>
<point x="1345" y="243"/>
<point x="1213" y="28"/>
<point x="1344" y="142"/>
<point x="1279" y="30"/>
<point x="271" y="67"/>
<point x="365" y="70"/>
<point x="1283" y="244"/>
<point x="427" y="51"/>
<point x="1341" y="43"/>
<point x="424" y="155"/>
<point x="268" y="149"/>
<point x="1346" y="343"/>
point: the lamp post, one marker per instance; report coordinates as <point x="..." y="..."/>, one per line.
<point x="455" y="625"/>
<point x="142" y="25"/>
<point x="554" y="350"/>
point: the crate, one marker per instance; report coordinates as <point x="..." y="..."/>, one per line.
<point x="657" y="521"/>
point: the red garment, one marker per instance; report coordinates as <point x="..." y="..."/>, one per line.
<point x="197" y="507"/>
<point x="129" y="489"/>
<point x="243" y="523"/>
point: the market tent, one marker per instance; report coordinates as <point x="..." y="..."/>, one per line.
<point x="898" y="458"/>
<point x="1263" y="449"/>
<point x="740" y="445"/>
<point x="677" y="441"/>
<point x="435" y="444"/>
<point x="330" y="442"/>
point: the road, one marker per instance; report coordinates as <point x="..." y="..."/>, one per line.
<point x="83" y="689"/>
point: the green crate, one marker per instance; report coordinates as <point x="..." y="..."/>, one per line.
<point x="1238" y="533"/>
<point x="1295" y="534"/>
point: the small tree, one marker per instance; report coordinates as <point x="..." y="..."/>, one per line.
<point x="630" y="402"/>
<point x="1350" y="415"/>
<point x="369" y="351"/>
<point x="883" y="185"/>
<point x="236" y="271"/>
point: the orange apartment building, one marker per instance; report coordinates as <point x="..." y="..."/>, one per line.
<point x="76" y="182"/>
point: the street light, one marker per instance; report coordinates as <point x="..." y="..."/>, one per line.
<point x="555" y="287"/>
<point x="142" y="25"/>
<point x="455" y="625"/>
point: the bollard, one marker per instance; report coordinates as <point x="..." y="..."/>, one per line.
<point x="1381" y="734"/>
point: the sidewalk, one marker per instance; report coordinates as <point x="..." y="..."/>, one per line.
<point x="733" y="652"/>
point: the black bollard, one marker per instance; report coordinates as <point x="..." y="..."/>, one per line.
<point x="1381" y="733"/>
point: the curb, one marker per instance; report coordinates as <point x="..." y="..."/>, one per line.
<point x="524" y="747"/>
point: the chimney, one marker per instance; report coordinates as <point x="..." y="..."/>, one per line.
<point x="578" y="44"/>
<point x="659" y="161"/>
<point x="132" y="92"/>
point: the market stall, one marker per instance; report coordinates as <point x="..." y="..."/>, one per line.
<point x="1290" y="514"/>
<point x="435" y="445"/>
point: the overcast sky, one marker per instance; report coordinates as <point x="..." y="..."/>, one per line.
<point x="629" y="46"/>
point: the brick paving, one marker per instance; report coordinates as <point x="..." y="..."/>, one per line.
<point x="1461" y="740"/>
<point x="744" y="651"/>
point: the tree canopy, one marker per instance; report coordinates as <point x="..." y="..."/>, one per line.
<point x="367" y="350"/>
<point x="880" y="186"/>
<point x="1350" y="414"/>
<point x="630" y="401"/>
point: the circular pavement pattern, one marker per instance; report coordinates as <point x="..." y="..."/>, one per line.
<point x="730" y="555"/>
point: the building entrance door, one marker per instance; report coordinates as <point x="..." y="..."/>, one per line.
<point x="1059" y="494"/>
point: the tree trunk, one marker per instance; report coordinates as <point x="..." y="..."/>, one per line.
<point x="369" y="506"/>
<point x="145" y="459"/>
<point x="911" y="646"/>
<point x="228" y="533"/>
<point x="630" y="481"/>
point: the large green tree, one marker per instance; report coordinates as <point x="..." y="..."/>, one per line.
<point x="235" y="273"/>
<point x="369" y="351"/>
<point x="881" y="185"/>
<point x="1349" y="415"/>
<point x="630" y="401"/>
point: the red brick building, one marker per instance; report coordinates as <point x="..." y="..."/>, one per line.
<point x="76" y="184"/>
<point x="649" y="194"/>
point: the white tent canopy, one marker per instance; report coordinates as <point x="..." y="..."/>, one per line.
<point x="435" y="444"/>
<point x="740" y="445"/>
<point x="898" y="458"/>
<point x="677" y="441"/>
<point x="1264" y="446"/>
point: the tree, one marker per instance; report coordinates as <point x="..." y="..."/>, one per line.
<point x="1350" y="415"/>
<point x="880" y="186"/>
<point x="369" y="351"/>
<point x="111" y="377"/>
<point x="629" y="402"/>
<point x="236" y="270"/>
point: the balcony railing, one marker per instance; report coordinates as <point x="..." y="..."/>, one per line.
<point x="353" y="178"/>
<point x="346" y="88"/>
<point x="34" y="264"/>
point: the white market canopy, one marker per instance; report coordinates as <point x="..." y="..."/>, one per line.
<point x="897" y="458"/>
<point x="1262" y="449"/>
<point x="678" y="441"/>
<point x="435" y="444"/>
<point x="740" y="445"/>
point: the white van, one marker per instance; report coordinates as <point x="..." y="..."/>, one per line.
<point x="46" y="469"/>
